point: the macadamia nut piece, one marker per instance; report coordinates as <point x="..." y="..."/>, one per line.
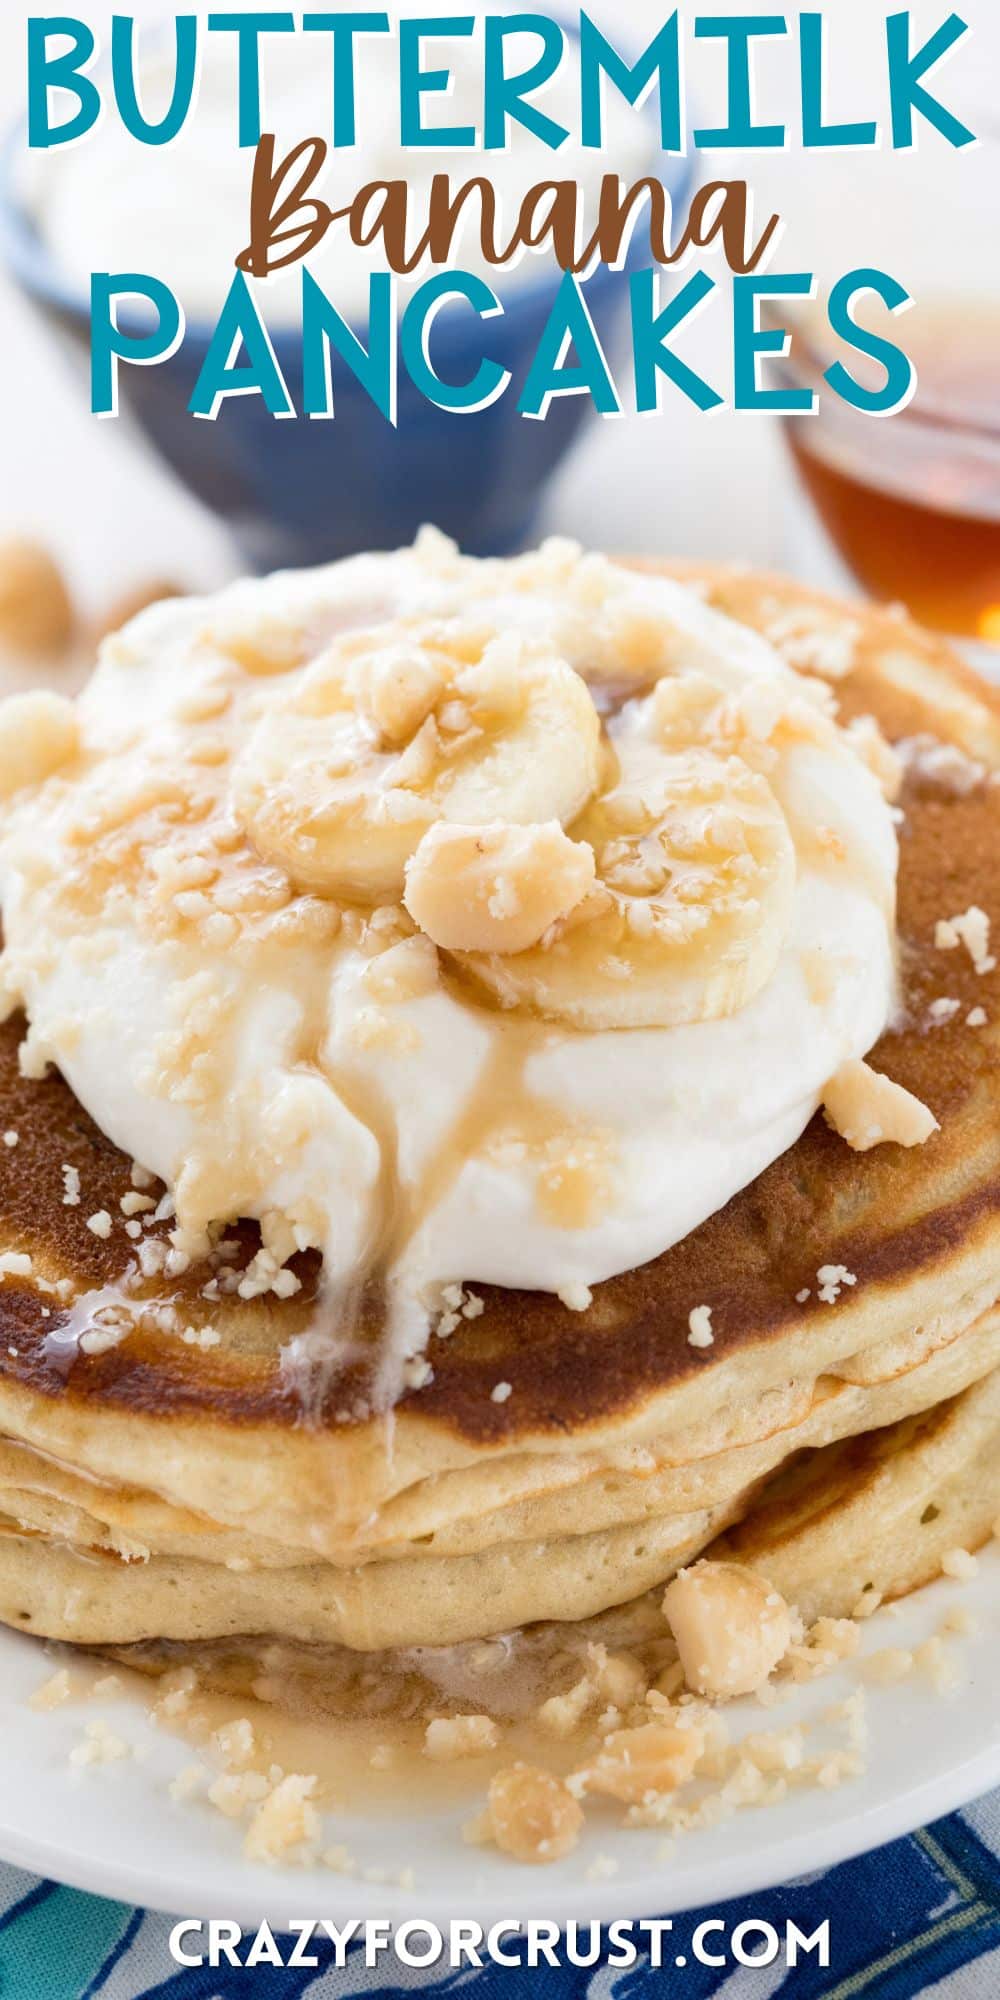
<point x="731" y="1628"/>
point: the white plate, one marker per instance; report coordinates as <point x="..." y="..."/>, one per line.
<point x="114" y="1829"/>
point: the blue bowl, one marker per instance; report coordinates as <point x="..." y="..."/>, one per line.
<point x="299" y="492"/>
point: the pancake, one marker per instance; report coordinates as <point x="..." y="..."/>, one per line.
<point x="878" y="1512"/>
<point x="843" y="1520"/>
<point x="164" y="1488"/>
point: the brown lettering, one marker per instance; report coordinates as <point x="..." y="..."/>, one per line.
<point x="731" y="221"/>
<point x="444" y="212"/>
<point x="387" y="199"/>
<point x="283" y="214"/>
<point x="614" y="213"/>
<point x="270" y="210"/>
<point x="548" y="213"/>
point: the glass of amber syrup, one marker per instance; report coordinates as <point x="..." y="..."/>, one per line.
<point x="911" y="502"/>
<point x="906" y="506"/>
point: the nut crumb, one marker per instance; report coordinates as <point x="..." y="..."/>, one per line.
<point x="959" y="1563"/>
<point x="188" y="1783"/>
<point x="891" y="1664"/>
<point x="700" y="1327"/>
<point x="448" y="1737"/>
<point x="972" y="929"/>
<point x="417" y="1372"/>
<point x="52" y="1692"/>
<point x="943" y="1010"/>
<point x="831" y="1278"/>
<point x="99" y="1745"/>
<point x="635" y="1764"/>
<point x="602" y="1869"/>
<point x="868" y="1109"/>
<point x="236" y="1743"/>
<point x="730" y="1627"/>
<point x="134" y="1203"/>
<point x="960" y="1622"/>
<point x="15" y="1264"/>
<point x="532" y="1815"/>
<point x="938" y="1663"/>
<point x="232" y="1793"/>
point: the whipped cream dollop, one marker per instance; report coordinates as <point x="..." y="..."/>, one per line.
<point x="465" y="920"/>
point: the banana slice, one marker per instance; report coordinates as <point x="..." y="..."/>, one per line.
<point x="385" y="735"/>
<point x="695" y="875"/>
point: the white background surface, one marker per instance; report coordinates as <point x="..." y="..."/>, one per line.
<point x="684" y="483"/>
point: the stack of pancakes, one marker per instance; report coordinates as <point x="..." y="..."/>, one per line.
<point x="162" y="1488"/>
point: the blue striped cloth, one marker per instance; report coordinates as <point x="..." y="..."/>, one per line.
<point x="921" y="1916"/>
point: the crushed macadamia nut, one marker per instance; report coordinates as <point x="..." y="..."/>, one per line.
<point x="867" y="739"/>
<point x="99" y="1745"/>
<point x="618" y="1679"/>
<point x="396" y="687"/>
<point x="561" y="1714"/>
<point x="959" y="1563"/>
<point x="496" y="887"/>
<point x="52" y="1693"/>
<point x="943" y="1009"/>
<point x="731" y="1628"/>
<point x="236" y="1743"/>
<point x="286" y="1819"/>
<point x="15" y="1264"/>
<point x="940" y="1666"/>
<point x="532" y="1815"/>
<point x="700" y="1327"/>
<point x="635" y="1764"/>
<point x="575" y="1297"/>
<point x="449" y="1737"/>
<point x="234" y="1791"/>
<point x="824" y="1646"/>
<point x="868" y="1109"/>
<point x="831" y="1279"/>
<point x="971" y="928"/>
<point x="820" y="642"/>
<point x="188" y="1783"/>
<point x="890" y="1664"/>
